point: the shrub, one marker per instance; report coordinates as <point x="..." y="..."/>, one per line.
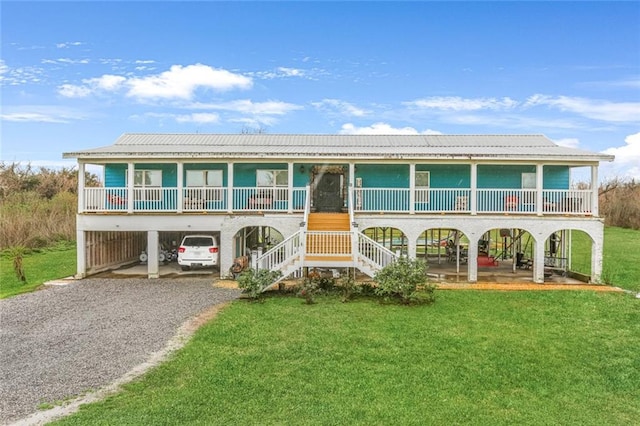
<point x="348" y="285"/>
<point x="254" y="282"/>
<point x="17" y="256"/>
<point x="309" y="288"/>
<point x="405" y="280"/>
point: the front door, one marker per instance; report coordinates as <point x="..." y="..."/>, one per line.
<point x="328" y="193"/>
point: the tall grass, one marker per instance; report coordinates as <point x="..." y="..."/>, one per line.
<point x="620" y="203"/>
<point x="26" y="219"/>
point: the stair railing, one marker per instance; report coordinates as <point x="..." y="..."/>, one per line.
<point x="374" y="253"/>
<point x="281" y="253"/>
<point x="290" y="248"/>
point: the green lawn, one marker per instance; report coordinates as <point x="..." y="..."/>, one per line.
<point x="488" y="358"/>
<point x="41" y="266"/>
<point x="621" y="263"/>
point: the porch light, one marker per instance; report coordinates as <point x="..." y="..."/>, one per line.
<point x="301" y="169"/>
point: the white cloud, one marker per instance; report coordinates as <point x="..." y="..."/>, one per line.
<point x="41" y="114"/>
<point x="629" y="83"/>
<point x="20" y="75"/>
<point x="177" y="83"/>
<point x="291" y="72"/>
<point x="383" y="129"/>
<point x="341" y="107"/>
<point x="246" y="106"/>
<point x="69" y="44"/>
<point x="198" y="117"/>
<point x="71" y="91"/>
<point x="595" y="109"/>
<point x="627" y="161"/>
<point x="456" y="103"/>
<point x="568" y="142"/>
<point x="67" y="61"/>
<point x="107" y="82"/>
<point x="280" y="72"/>
<point x="145" y="61"/>
<point x="32" y="117"/>
<point x="181" y="82"/>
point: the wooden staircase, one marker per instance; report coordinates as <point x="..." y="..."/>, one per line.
<point x="329" y="239"/>
<point x="328" y="222"/>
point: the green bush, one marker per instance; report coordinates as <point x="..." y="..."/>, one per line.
<point x="309" y="288"/>
<point x="252" y="282"/>
<point x="348" y="285"/>
<point x="405" y="280"/>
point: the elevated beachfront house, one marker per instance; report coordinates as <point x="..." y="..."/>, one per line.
<point x="327" y="201"/>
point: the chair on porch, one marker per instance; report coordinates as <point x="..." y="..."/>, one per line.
<point x="462" y="203"/>
<point x="511" y="202"/>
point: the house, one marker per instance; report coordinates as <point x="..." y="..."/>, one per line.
<point x="298" y="201"/>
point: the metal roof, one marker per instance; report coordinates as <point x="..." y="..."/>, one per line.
<point x="292" y="146"/>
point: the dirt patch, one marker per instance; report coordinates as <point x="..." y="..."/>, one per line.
<point x="527" y="287"/>
<point x="225" y="284"/>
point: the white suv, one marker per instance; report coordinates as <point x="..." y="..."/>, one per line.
<point x="198" y="250"/>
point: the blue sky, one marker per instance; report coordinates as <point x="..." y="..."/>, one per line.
<point x="77" y="75"/>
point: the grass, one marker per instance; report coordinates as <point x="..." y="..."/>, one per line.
<point x="495" y="358"/>
<point x="40" y="266"/>
<point x="621" y="263"/>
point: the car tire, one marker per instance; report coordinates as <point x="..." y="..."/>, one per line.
<point x="185" y="268"/>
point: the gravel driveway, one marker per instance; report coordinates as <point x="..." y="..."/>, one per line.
<point x="66" y="340"/>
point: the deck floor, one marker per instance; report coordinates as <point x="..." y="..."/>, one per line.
<point x="445" y="272"/>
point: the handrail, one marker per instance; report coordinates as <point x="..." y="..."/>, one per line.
<point x="374" y="252"/>
<point x="361" y="200"/>
<point x="280" y="253"/>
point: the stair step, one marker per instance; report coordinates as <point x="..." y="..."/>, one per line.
<point x="328" y="222"/>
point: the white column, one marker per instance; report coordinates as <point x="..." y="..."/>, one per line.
<point x="412" y="190"/>
<point x="352" y="175"/>
<point x="230" y="187"/>
<point x="538" y="260"/>
<point x="539" y="186"/>
<point x="594" y="191"/>
<point x="130" y="178"/>
<point x="474" y="188"/>
<point x="596" y="254"/>
<point x="472" y="259"/>
<point x="180" y="185"/>
<point x="81" y="184"/>
<point x="153" y="269"/>
<point x="81" y="254"/>
<point x="290" y="188"/>
<point x="227" y="246"/>
<point x="412" y="248"/>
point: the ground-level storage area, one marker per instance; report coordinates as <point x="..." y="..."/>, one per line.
<point x="526" y="244"/>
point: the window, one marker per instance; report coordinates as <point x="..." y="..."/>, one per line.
<point x="201" y="178"/>
<point x="278" y="180"/>
<point x="528" y="181"/>
<point x="147" y="185"/>
<point x="422" y="187"/>
<point x="208" y="184"/>
<point x="528" y="186"/>
<point x="272" y="178"/>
